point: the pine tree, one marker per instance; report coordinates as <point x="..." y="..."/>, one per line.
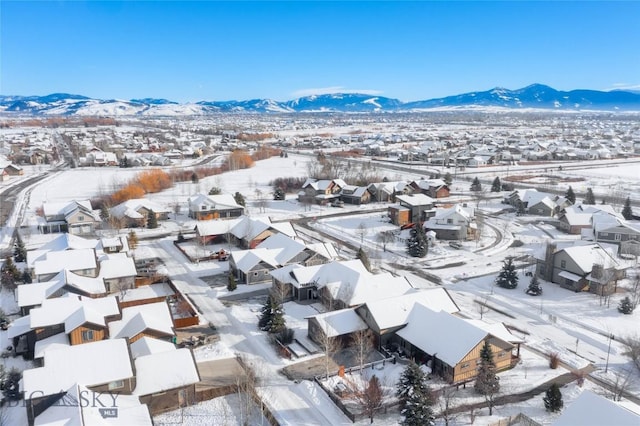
<point x="496" y="186"/>
<point x="266" y="313"/>
<point x="626" y="306"/>
<point x="589" y="198"/>
<point x="194" y="177"/>
<point x="364" y="258"/>
<point x="26" y="277"/>
<point x="570" y="195"/>
<point x="508" y="277"/>
<point x="278" y="323"/>
<point x="278" y="194"/>
<point x="553" y="399"/>
<point x="10" y="268"/>
<point x="417" y="244"/>
<point x="415" y="397"/>
<point x="476" y="186"/>
<point x="627" y="213"/>
<point x="239" y="199"/>
<point x="132" y="239"/>
<point x="534" y="288"/>
<point x="215" y="191"/>
<point x="11" y="385"/>
<point x="487" y="382"/>
<point x="448" y="179"/>
<point x="104" y="212"/>
<point x="232" y="284"/>
<point x="19" y="250"/>
<point x="152" y="220"/>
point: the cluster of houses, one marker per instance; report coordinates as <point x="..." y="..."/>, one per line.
<point x="86" y="303"/>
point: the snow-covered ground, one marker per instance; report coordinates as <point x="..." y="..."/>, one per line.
<point x="575" y="326"/>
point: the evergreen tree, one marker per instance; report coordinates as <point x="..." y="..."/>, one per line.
<point x="278" y="194"/>
<point x="448" y="179"/>
<point x="570" y="195"/>
<point x="476" y="186"/>
<point x="152" y="220"/>
<point x="589" y="198"/>
<point x="215" y="190"/>
<point x="194" y="177"/>
<point x="19" y="250"/>
<point x="364" y="258"/>
<point x="417" y="244"/>
<point x="487" y="382"/>
<point x="26" y="277"/>
<point x="626" y="306"/>
<point x="232" y="284"/>
<point x="10" y="268"/>
<point x="534" y="288"/>
<point x="415" y="397"/>
<point x="132" y="239"/>
<point x="496" y="186"/>
<point x="272" y="317"/>
<point x="104" y="213"/>
<point x="508" y="277"/>
<point x="553" y="399"/>
<point x="11" y="385"/>
<point x="627" y="213"/>
<point x="239" y="199"/>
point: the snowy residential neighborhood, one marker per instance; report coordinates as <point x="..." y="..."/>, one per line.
<point x="446" y="268"/>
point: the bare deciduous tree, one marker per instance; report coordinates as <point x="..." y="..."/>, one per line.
<point x="384" y="238"/>
<point x="361" y="345"/>
<point x="446" y="403"/>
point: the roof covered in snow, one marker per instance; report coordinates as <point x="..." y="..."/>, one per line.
<point x="591" y="409"/>
<point x="166" y="370"/>
<point x="341" y="322"/>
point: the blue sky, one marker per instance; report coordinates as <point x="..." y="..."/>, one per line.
<point x="214" y="50"/>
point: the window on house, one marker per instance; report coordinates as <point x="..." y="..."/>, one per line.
<point x="118" y="384"/>
<point x="501" y="354"/>
<point x="449" y="221"/>
<point x="87" y="335"/>
<point x="563" y="263"/>
<point x="80" y="217"/>
<point x="604" y="234"/>
<point x="618" y="237"/>
<point x="465" y="365"/>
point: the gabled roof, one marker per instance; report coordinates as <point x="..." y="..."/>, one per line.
<point x="393" y="312"/>
<point x="58" y="310"/>
<point x="79" y="364"/>
<point x="415" y="199"/>
<point x="83" y="316"/>
<point x="290" y="247"/>
<point x="590" y="409"/>
<point x="449" y="338"/>
<point x="131" y="208"/>
<point x="52" y="343"/>
<point x="148" y="345"/>
<point x="65" y="208"/>
<point x="162" y="371"/>
<point x="341" y="322"/>
<point x="116" y="265"/>
<point x="73" y="260"/>
<point x="369" y="287"/>
<point x="34" y="293"/>
<point x="136" y="319"/>
<point x="213" y="202"/>
<point x="585" y="256"/>
<point x="215" y="226"/>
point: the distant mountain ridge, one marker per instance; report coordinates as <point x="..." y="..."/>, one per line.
<point x="537" y="96"/>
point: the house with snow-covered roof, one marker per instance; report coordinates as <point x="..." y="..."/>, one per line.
<point x="582" y="267"/>
<point x="453" y="223"/>
<point x="575" y="219"/>
<point x="434" y="188"/>
<point x="591" y="409"/>
<point x="148" y="320"/>
<point x="411" y="208"/>
<point x="338" y="284"/>
<point x="134" y="213"/>
<point x="341" y="324"/>
<point x="253" y="265"/>
<point x="450" y="346"/>
<point x="207" y="207"/>
<point x="387" y="191"/>
<point x="321" y="191"/>
<point x="75" y="217"/>
<point x="352" y="194"/>
<point x="385" y="316"/>
<point x="248" y="232"/>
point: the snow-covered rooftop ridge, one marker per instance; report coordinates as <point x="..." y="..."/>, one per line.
<point x="341" y="322"/>
<point x="161" y="371"/>
<point x="136" y="319"/>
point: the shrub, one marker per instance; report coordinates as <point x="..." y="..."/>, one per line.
<point x="285" y="336"/>
<point x="554" y="360"/>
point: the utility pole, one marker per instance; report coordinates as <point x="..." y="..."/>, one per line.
<point x="606" y="367"/>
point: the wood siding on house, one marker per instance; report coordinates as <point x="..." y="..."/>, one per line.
<point x="75" y="337"/>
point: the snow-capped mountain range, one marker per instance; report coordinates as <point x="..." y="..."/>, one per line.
<point x="535" y="96"/>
